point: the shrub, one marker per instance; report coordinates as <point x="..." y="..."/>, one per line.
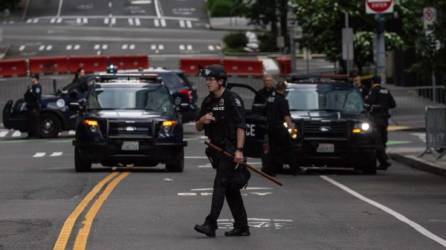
<point x="235" y="40"/>
<point x="221" y="8"/>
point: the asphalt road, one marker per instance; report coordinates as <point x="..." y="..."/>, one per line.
<point x="149" y="208"/>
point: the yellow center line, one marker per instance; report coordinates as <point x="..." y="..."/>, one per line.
<point x="82" y="236"/>
<point x="67" y="228"/>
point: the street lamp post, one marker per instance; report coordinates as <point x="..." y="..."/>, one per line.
<point x="292" y="24"/>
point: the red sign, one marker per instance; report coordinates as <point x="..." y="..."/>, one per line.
<point x="379" y="6"/>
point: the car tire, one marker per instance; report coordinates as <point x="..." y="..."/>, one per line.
<point x="178" y="165"/>
<point x="50" y="126"/>
<point x="80" y="164"/>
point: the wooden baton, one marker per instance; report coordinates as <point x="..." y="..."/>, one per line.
<point x="253" y="169"/>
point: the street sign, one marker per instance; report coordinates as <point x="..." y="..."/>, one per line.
<point x="298" y="32"/>
<point x="429" y="17"/>
<point x="379" y="6"/>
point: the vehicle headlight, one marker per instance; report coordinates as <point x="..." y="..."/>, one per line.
<point x="167" y="128"/>
<point x="60" y="103"/>
<point x="363" y="127"/>
<point x="93" y="125"/>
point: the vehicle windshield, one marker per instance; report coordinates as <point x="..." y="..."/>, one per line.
<point x="172" y="81"/>
<point x="344" y="100"/>
<point x="154" y="98"/>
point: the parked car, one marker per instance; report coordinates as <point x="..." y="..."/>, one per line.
<point x="128" y="119"/>
<point x="334" y="130"/>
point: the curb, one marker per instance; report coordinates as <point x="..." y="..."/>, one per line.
<point x="414" y="162"/>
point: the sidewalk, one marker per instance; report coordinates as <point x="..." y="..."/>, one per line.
<point x="410" y="116"/>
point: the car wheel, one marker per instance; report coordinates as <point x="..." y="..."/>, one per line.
<point x="50" y="126"/>
<point x="80" y="164"/>
<point x="178" y="165"/>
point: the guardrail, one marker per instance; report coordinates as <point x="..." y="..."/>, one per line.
<point x="69" y="64"/>
<point x="233" y="66"/>
<point x="435" y="131"/>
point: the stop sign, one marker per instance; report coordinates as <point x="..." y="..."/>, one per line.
<point x="379" y="6"/>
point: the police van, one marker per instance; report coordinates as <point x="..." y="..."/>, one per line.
<point x="128" y="119"/>
<point x="334" y="130"/>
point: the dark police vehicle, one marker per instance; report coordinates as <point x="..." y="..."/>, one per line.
<point x="334" y="130"/>
<point x="128" y="119"/>
<point x="55" y="115"/>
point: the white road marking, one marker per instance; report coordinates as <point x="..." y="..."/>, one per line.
<point x="168" y="179"/>
<point x="211" y="47"/>
<point x="195" y="157"/>
<point x="421" y="136"/>
<point x="36" y="20"/>
<point x="218" y="47"/>
<point x="189" y="47"/>
<point x="187" y="194"/>
<point x="97" y="46"/>
<point x="163" y="22"/>
<point x="59" y="20"/>
<point x="113" y="21"/>
<point x="389" y="211"/>
<point x="3" y="133"/>
<point x="49" y="47"/>
<point x="71" y="132"/>
<point x="160" y="47"/>
<point x="39" y="154"/>
<point x="59" y="10"/>
<point x="248" y="188"/>
<point x="137" y="22"/>
<point x="189" y="24"/>
<point x="131" y="47"/>
<point x="208" y="165"/>
<point x="131" y="21"/>
<point x="22" y="48"/>
<point x="205" y="194"/>
<point x="142" y="2"/>
<point x="110" y="5"/>
<point x="78" y="20"/>
<point x="56" y="154"/>
<point x="77" y="47"/>
<point x="182" y="24"/>
<point x="261" y="193"/>
<point x="156" y="22"/>
<point x="16" y="134"/>
<point x="53" y="20"/>
<point x="182" y="47"/>
<point x="124" y="46"/>
<point x="106" y="21"/>
<point x="85" y="20"/>
<point x="153" y="47"/>
<point x="29" y="21"/>
<point x="158" y="9"/>
<point x="104" y="46"/>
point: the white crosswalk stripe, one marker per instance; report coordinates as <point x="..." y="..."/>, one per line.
<point x="39" y="155"/>
<point x="22" y="48"/>
<point x="3" y="133"/>
<point x="156" y="22"/>
<point x="131" y="21"/>
<point x="182" y="24"/>
<point x="189" y="24"/>
<point x="163" y="22"/>
<point x="59" y="20"/>
<point x="137" y="22"/>
<point x="56" y="154"/>
<point x="16" y="134"/>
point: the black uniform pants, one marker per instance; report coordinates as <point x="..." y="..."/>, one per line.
<point x="222" y="188"/>
<point x="33" y="121"/>
<point x="381" y="128"/>
<point x="280" y="149"/>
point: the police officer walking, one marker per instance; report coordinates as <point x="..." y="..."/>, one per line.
<point x="222" y="116"/>
<point x="379" y="101"/>
<point x="280" y="143"/>
<point x="32" y="99"/>
<point x="263" y="94"/>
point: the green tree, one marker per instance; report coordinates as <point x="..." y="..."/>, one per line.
<point x="9" y="4"/>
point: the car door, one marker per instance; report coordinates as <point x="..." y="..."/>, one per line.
<point x="256" y="126"/>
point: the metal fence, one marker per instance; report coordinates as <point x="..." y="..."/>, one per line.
<point x="435" y="131"/>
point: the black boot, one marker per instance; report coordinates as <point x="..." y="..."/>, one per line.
<point x="238" y="231"/>
<point x="206" y="228"/>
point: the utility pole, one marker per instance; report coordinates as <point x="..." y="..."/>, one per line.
<point x="292" y="24"/>
<point x="380" y="48"/>
<point x="347" y="44"/>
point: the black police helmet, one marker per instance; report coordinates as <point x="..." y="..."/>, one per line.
<point x="214" y="70"/>
<point x="376" y="79"/>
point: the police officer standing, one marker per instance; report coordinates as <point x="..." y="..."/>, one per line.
<point x="32" y="99"/>
<point x="379" y="101"/>
<point x="222" y="116"/>
<point x="263" y="94"/>
<point x="280" y="143"/>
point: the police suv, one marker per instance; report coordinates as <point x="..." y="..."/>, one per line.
<point x="334" y="130"/>
<point x="128" y="119"/>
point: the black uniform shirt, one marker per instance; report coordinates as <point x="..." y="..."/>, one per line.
<point x="229" y="114"/>
<point x="276" y="109"/>
<point x="263" y="95"/>
<point x="379" y="101"/>
<point x="33" y="95"/>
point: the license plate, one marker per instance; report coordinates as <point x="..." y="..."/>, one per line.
<point x="325" y="148"/>
<point x="130" y="146"/>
